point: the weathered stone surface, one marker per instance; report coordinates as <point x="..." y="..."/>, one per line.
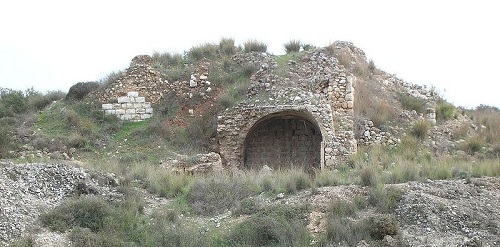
<point x="311" y="92"/>
<point x="138" y="111"/>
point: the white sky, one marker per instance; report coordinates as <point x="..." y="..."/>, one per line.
<point x="452" y="45"/>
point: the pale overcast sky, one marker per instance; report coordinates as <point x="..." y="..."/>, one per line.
<point x="452" y="45"/>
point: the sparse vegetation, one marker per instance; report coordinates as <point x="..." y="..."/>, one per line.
<point x="226" y="46"/>
<point x="166" y="59"/>
<point x="207" y="50"/>
<point x="150" y="155"/>
<point x="254" y="46"/>
<point x="384" y="199"/>
<point x="445" y="111"/>
<point x="82" y="212"/>
<point x="410" y="102"/>
<point x="473" y="145"/>
<point x="292" y="46"/>
<point x="212" y="196"/>
<point x="282" y="225"/>
<point x="420" y="129"/>
<point x="80" y="90"/>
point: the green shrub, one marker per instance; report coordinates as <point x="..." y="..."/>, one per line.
<point x="370" y="103"/>
<point x="233" y="94"/>
<point x="80" y="90"/>
<point x="420" y="129"/>
<point x="369" y="176"/>
<point x="12" y="102"/>
<point x="166" y="59"/>
<point x="383" y="225"/>
<point x="473" y="145"/>
<point x="341" y="230"/>
<point x="110" y="78"/>
<point x="444" y="111"/>
<point x="247" y="206"/>
<point x="295" y="179"/>
<point x="28" y="241"/>
<point x="85" y="212"/>
<point x="308" y="47"/>
<point x="325" y="177"/>
<point x="254" y="46"/>
<point x="85" y="237"/>
<point x="371" y="66"/>
<point x="385" y="199"/>
<point x="248" y="70"/>
<point x="226" y="46"/>
<point x="282" y="225"/>
<point x="206" y="50"/>
<point x="216" y="195"/>
<point x="292" y="46"/>
<point x="340" y="208"/>
<point x="177" y="73"/>
<point x="5" y="140"/>
<point x="410" y="102"/>
<point x="489" y="117"/>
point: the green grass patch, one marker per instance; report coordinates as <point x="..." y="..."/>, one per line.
<point x="410" y="102"/>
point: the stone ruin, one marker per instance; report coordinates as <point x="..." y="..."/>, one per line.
<point x="302" y="116"/>
<point x="297" y="114"/>
<point x="130" y="108"/>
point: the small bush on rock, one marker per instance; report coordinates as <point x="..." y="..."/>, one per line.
<point x="207" y="50"/>
<point x="80" y="90"/>
<point x="445" y="111"/>
<point x="254" y="45"/>
<point x="226" y="46"/>
<point x="385" y="199"/>
<point x="383" y="225"/>
<point x="420" y="129"/>
<point x="369" y="176"/>
<point x="292" y="46"/>
<point x="212" y="196"/>
<point x="282" y="225"/>
<point x="86" y="212"/>
<point x="410" y="102"/>
<point x="473" y="145"/>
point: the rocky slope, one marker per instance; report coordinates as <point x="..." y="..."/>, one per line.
<point x="462" y="212"/>
<point x="27" y="190"/>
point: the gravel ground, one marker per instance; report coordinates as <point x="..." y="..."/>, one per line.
<point x="432" y="213"/>
<point x="27" y="190"/>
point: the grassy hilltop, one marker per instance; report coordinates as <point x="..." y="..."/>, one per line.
<point x="237" y="208"/>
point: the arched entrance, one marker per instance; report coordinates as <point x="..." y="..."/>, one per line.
<point x="284" y="139"/>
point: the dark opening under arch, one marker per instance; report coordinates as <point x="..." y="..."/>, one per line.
<point x="282" y="140"/>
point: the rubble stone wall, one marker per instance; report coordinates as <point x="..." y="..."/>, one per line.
<point x="316" y="91"/>
<point x="130" y="108"/>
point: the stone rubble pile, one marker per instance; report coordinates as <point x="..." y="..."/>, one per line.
<point x="372" y="135"/>
<point x="139" y="77"/>
<point x="27" y="190"/>
<point x="29" y="152"/>
<point x="199" y="85"/>
<point x="198" y="164"/>
<point x="453" y="213"/>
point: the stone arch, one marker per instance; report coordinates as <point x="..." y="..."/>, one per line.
<point x="283" y="139"/>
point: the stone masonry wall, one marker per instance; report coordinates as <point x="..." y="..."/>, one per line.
<point x="130" y="108"/>
<point x="314" y="88"/>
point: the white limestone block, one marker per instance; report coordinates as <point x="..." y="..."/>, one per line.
<point x="133" y="94"/>
<point x="107" y="106"/>
<point x="124" y="99"/>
